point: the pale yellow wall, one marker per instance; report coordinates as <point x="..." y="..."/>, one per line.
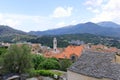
<point x="75" y="76"/>
<point x="117" y="59"/>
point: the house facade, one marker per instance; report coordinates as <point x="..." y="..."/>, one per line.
<point x="75" y="76"/>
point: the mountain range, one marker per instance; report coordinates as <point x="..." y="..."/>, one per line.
<point x="109" y="24"/>
<point x="8" y="34"/>
<point x="103" y="28"/>
<point x="106" y="28"/>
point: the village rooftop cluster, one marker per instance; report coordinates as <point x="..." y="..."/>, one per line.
<point x="91" y="62"/>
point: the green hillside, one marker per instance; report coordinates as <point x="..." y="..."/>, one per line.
<point x="63" y="40"/>
<point x="8" y="34"/>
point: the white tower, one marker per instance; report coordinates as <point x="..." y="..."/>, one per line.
<point x="55" y="44"/>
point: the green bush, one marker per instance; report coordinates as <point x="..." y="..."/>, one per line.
<point x="44" y="73"/>
<point x="49" y="64"/>
<point x="64" y="64"/>
<point x="37" y="59"/>
<point x="3" y="50"/>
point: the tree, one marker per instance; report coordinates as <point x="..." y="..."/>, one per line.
<point x="17" y="59"/>
<point x="37" y="59"/>
<point x="3" y="50"/>
<point x="49" y="64"/>
<point x="64" y="64"/>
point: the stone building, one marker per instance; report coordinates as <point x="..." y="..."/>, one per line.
<point x="36" y="48"/>
<point x="76" y="42"/>
<point x="95" y="66"/>
<point x="2" y="44"/>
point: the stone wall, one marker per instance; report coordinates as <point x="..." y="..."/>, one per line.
<point x="75" y="76"/>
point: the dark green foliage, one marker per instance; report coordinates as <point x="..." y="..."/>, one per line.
<point x="37" y="59"/>
<point x="54" y="58"/>
<point x="48" y="41"/>
<point x="63" y="40"/>
<point x="49" y="64"/>
<point x="114" y="43"/>
<point x="41" y="62"/>
<point x="17" y="59"/>
<point x="45" y="39"/>
<point x="64" y="64"/>
<point x="3" y="50"/>
<point x="1" y="60"/>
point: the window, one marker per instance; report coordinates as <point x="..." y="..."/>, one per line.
<point x="73" y="57"/>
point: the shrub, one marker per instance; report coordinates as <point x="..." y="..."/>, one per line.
<point x="44" y="73"/>
<point x="64" y="64"/>
<point x="37" y="59"/>
<point x="3" y="50"/>
<point x="49" y="64"/>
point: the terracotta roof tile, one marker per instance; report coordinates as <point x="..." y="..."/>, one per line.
<point x="70" y="50"/>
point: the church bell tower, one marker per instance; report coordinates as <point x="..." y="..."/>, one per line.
<point x="55" y="44"/>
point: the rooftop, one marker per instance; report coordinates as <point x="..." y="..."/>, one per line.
<point x="67" y="52"/>
<point x="98" y="65"/>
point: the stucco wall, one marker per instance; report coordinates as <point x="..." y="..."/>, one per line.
<point x="117" y="59"/>
<point x="75" y="76"/>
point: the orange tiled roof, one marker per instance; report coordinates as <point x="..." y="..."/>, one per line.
<point x="70" y="50"/>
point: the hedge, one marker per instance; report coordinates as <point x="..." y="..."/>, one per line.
<point x="48" y="73"/>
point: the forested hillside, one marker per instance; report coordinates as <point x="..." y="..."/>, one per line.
<point x="8" y="34"/>
<point x="63" y="40"/>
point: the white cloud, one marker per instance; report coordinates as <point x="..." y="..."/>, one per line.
<point x="25" y="22"/>
<point x="60" y="24"/>
<point x="96" y="11"/>
<point x="66" y="23"/>
<point x="6" y="20"/>
<point x="74" y="22"/>
<point x="94" y="3"/>
<point x="11" y="22"/>
<point x="109" y="12"/>
<point x="31" y="23"/>
<point x="38" y="23"/>
<point x="93" y="10"/>
<point x="62" y="12"/>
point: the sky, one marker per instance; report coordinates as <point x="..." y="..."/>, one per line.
<point x="40" y="15"/>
